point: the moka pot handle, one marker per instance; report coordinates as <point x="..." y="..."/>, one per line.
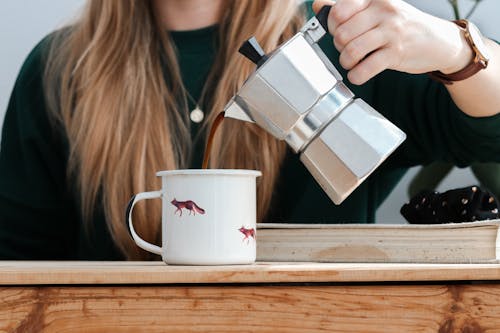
<point x="322" y="16"/>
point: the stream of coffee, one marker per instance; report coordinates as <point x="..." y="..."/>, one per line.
<point x="206" y="157"/>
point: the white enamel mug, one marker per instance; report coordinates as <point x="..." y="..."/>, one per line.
<point x="208" y="217"/>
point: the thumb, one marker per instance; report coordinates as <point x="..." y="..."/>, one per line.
<point x="318" y="4"/>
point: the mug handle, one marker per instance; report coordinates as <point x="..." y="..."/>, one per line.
<point x="128" y="219"/>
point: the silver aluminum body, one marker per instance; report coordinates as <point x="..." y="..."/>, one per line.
<point x="298" y="96"/>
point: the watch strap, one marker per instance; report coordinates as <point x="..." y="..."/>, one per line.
<point x="462" y="74"/>
<point x="472" y="68"/>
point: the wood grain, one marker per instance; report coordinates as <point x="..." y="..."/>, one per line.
<point x="318" y="308"/>
<point x="46" y="273"/>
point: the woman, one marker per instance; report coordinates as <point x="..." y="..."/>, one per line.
<point x="102" y="105"/>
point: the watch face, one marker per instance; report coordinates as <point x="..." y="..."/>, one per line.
<point x="477" y="38"/>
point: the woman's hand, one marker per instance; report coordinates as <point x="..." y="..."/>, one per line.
<point x="374" y="35"/>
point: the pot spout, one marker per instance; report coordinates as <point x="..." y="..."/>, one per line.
<point x="235" y="111"/>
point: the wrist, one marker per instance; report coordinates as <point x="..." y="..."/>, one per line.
<point x="461" y="53"/>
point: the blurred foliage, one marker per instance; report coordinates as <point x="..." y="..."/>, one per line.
<point x="456" y="9"/>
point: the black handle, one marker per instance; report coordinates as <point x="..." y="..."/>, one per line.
<point x="252" y="50"/>
<point x="322" y="16"/>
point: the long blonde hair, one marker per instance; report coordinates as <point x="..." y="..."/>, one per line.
<point x="105" y="85"/>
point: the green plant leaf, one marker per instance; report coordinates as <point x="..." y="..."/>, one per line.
<point x="473" y="9"/>
<point x="456" y="9"/>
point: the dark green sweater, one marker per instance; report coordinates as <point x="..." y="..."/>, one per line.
<point x="39" y="211"/>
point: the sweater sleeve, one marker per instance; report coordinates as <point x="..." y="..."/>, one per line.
<point x="37" y="215"/>
<point x="436" y="129"/>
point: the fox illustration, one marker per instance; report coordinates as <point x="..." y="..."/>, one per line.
<point x="248" y="233"/>
<point x="190" y="205"/>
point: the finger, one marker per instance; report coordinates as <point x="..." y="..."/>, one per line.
<point x="359" y="24"/>
<point x="344" y="10"/>
<point x="360" y="47"/>
<point x="374" y="64"/>
<point x="318" y="4"/>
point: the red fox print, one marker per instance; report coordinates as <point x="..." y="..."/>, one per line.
<point x="248" y="233"/>
<point x="189" y="205"/>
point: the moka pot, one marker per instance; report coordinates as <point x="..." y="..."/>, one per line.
<point x="297" y="95"/>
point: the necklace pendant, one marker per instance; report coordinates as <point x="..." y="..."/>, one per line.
<point x="196" y="115"/>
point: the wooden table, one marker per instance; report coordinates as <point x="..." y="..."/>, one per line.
<point x="265" y="297"/>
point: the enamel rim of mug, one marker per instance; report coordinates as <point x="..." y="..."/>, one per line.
<point x="218" y="172"/>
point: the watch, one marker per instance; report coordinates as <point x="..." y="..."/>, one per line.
<point x="481" y="55"/>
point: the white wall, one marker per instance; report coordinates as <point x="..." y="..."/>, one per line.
<point x="24" y="22"/>
<point x="485" y="16"/>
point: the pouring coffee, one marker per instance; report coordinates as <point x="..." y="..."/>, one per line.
<point x="297" y="95"/>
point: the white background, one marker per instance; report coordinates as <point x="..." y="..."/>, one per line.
<point x="24" y="22"/>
